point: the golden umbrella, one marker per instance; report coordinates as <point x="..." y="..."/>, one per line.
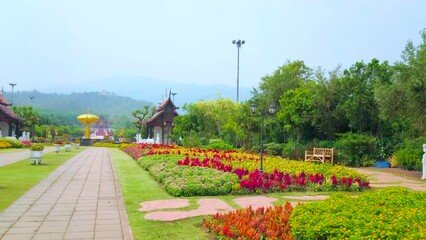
<point x="87" y="119"/>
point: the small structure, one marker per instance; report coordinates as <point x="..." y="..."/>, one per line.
<point x="161" y="123"/>
<point x="10" y="122"/>
<point x="101" y="130"/>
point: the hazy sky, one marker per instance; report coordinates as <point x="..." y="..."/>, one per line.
<point x="47" y="44"/>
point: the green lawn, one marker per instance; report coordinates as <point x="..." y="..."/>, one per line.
<point x="138" y="186"/>
<point x="19" y="177"/>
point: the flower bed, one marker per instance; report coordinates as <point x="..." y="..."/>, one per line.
<point x="280" y="174"/>
<point x="392" y="213"/>
<point x="262" y="223"/>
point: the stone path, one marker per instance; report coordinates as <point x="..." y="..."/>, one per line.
<point x="9" y="158"/>
<point x="79" y="200"/>
<point x="383" y="179"/>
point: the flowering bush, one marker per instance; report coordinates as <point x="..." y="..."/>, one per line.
<point x="262" y="223"/>
<point x="5" y="145"/>
<point x="13" y="142"/>
<point x="391" y="213"/>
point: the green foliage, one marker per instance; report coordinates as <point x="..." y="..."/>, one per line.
<point x="13" y="142"/>
<point x="218" y="118"/>
<point x="355" y="149"/>
<point x="273" y="148"/>
<point x="220" y="145"/>
<point x="294" y="150"/>
<point x="37" y="147"/>
<point x="410" y="156"/>
<point x="391" y="213"/>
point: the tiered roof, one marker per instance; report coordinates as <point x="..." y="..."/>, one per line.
<point x="162" y="110"/>
<point x="6" y="113"/>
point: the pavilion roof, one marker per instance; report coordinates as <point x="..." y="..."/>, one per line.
<point x="11" y="114"/>
<point x="160" y="110"/>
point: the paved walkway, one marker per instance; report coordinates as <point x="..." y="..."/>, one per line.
<point x="9" y="158"/>
<point x="79" y="200"/>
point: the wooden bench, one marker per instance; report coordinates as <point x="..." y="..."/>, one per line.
<point x="319" y="155"/>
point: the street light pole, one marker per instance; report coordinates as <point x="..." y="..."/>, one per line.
<point x="13" y="85"/>
<point x="262" y="113"/>
<point x="238" y="43"/>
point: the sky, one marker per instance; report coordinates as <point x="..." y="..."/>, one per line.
<point x="122" y="46"/>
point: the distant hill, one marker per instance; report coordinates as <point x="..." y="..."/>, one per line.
<point x="117" y="109"/>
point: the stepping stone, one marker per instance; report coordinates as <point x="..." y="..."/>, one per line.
<point x="255" y="202"/>
<point x="206" y="207"/>
<point x="163" y="204"/>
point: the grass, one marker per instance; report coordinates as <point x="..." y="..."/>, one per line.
<point x="19" y="177"/>
<point x="138" y="186"/>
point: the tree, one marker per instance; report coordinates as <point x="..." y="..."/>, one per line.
<point x="403" y="98"/>
<point x="140" y="116"/>
<point x="32" y="118"/>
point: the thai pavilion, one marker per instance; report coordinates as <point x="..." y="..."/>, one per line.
<point x="10" y="122"/>
<point x="160" y="125"/>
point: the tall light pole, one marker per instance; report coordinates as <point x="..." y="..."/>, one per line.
<point x="13" y="85"/>
<point x="262" y="113"/>
<point x="238" y="43"/>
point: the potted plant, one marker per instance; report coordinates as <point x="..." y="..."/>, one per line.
<point x="58" y="146"/>
<point x="36" y="153"/>
<point x="77" y="143"/>
<point x="67" y="146"/>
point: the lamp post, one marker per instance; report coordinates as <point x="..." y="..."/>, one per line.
<point x="238" y="43"/>
<point x="271" y="110"/>
<point x="13" y="85"/>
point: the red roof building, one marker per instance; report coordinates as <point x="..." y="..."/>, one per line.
<point x="161" y="123"/>
<point x="9" y="120"/>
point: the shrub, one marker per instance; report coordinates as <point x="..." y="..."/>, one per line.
<point x="273" y="148"/>
<point x="13" y="142"/>
<point x="220" y="145"/>
<point x="410" y="156"/>
<point x="356" y="149"/>
<point x="294" y="150"/>
<point x="391" y="213"/>
<point x="37" y="147"/>
<point x="5" y="145"/>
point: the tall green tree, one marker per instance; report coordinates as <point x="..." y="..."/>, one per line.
<point x="403" y="98"/>
<point x="32" y="118"/>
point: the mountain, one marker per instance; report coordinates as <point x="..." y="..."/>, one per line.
<point x="65" y="108"/>
<point x="153" y="90"/>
